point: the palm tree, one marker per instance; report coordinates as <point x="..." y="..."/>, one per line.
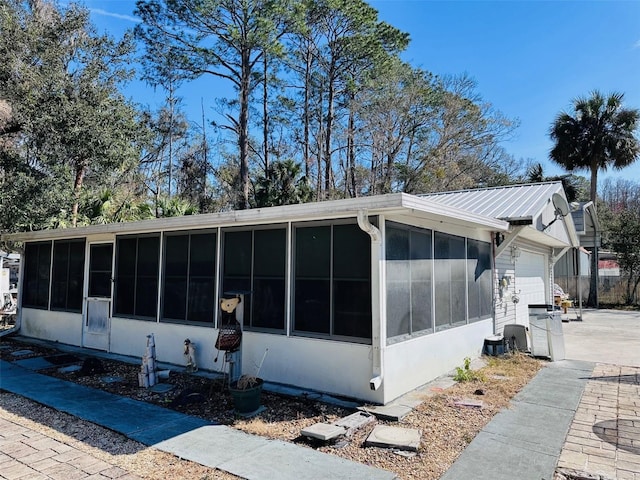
<point x="600" y="134"/>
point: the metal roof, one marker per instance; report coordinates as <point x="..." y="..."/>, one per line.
<point x="509" y="203"/>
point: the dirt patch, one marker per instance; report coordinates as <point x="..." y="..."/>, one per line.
<point x="446" y="428"/>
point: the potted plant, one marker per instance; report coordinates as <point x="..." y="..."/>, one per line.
<point x="246" y="393"/>
<point x="247" y="390"/>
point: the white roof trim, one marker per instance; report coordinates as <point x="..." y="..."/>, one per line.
<point x="381" y="204"/>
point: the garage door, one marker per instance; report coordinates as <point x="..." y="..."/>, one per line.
<point x="530" y="274"/>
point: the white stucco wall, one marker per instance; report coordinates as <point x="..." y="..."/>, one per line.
<point x="63" y="327"/>
<point x="410" y="364"/>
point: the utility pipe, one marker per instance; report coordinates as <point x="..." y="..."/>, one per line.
<point x="378" y="300"/>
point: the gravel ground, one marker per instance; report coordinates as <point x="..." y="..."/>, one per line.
<point x="446" y="428"/>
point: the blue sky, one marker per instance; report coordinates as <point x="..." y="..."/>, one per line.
<point x="529" y="58"/>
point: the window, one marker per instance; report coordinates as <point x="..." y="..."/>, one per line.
<point x="255" y="261"/>
<point x="137" y="261"/>
<point x="409" y="266"/>
<point x="36" y="275"/>
<point x="332" y="280"/>
<point x="189" y="277"/>
<point x="450" y="280"/>
<point x="100" y="259"/>
<point x="67" y="275"/>
<point x="479" y="280"/>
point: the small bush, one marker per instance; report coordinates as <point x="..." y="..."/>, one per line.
<point x="466" y="374"/>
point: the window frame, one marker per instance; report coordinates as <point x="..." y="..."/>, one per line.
<point x="136" y="276"/>
<point x="79" y="275"/>
<point x="39" y="278"/>
<point x="249" y="304"/>
<point x="188" y="277"/>
<point x="331" y="281"/>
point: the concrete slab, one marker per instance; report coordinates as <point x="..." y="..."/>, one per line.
<point x="394" y="437"/>
<point x="469" y="402"/>
<point x="355" y="421"/>
<point x="323" y="431"/>
<point x="491" y="457"/>
<point x="35" y="363"/>
<point x="285" y="461"/>
<point x="391" y="412"/>
<point x="22" y="353"/>
<point x="69" y="369"/>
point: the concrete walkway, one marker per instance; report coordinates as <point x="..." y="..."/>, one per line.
<point x="524" y="441"/>
<point x="215" y="446"/>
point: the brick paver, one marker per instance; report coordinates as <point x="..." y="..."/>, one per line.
<point x="28" y="455"/>
<point x="604" y="438"/>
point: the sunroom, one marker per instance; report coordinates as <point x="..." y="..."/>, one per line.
<point x="367" y="298"/>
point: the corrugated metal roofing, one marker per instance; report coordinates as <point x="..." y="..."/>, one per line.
<point x="511" y="202"/>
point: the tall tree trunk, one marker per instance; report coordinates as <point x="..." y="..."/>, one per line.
<point x="328" y="131"/>
<point x="243" y="125"/>
<point x="307" y="113"/>
<point x="77" y="189"/>
<point x="593" y="283"/>
<point x="265" y="116"/>
<point x="351" y="149"/>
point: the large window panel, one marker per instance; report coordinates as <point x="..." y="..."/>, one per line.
<point x="36" y="275"/>
<point x="398" y="282"/>
<point x="351" y="281"/>
<point x="409" y="280"/>
<point x="479" y="280"/>
<point x="270" y="261"/>
<point x="137" y="269"/>
<point x="449" y="280"/>
<point x="313" y="279"/>
<point x="236" y="272"/>
<point x="201" y="302"/>
<point x="67" y="275"/>
<point x="189" y="277"/>
<point x="100" y="270"/>
<point x="421" y="281"/>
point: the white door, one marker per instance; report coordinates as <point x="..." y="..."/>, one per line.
<point x="97" y="322"/>
<point x="530" y="273"/>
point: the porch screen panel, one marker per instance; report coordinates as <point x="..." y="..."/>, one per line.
<point x="67" y="275"/>
<point x="313" y="279"/>
<point x="398" y="282"/>
<point x="351" y="282"/>
<point x="269" y="269"/>
<point x="201" y="303"/>
<point x="100" y="270"/>
<point x="449" y="280"/>
<point x="36" y="275"/>
<point x="147" y="276"/>
<point x="176" y="265"/>
<point x="421" y="281"/>
<point x="479" y="284"/>
<point x="137" y="267"/>
<point x="238" y="251"/>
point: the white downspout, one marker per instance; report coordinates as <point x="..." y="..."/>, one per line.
<point x="378" y="300"/>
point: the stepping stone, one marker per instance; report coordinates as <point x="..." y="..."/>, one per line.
<point x="323" y="431"/>
<point x="69" y="369"/>
<point x="22" y="353"/>
<point x="386" y="436"/>
<point x="394" y="413"/>
<point x="355" y="421"/>
<point x="468" y="402"/>
<point x="35" y="363"/>
<point x="114" y="379"/>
